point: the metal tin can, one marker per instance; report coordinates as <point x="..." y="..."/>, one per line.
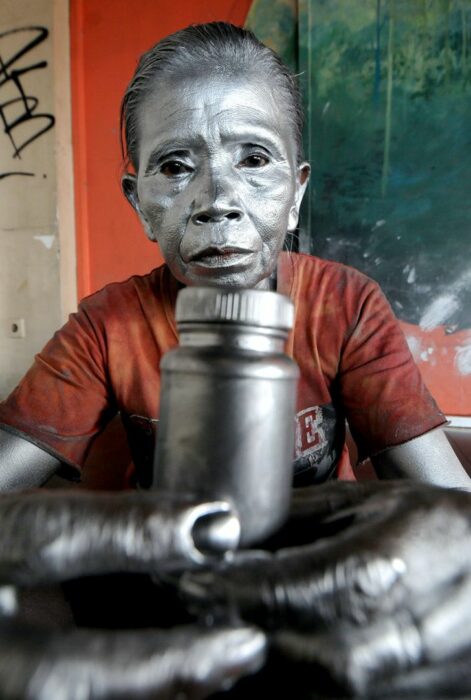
<point x="227" y="405"/>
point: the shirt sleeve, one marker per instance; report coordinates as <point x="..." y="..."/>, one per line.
<point x="65" y="398"/>
<point x="386" y="401"/>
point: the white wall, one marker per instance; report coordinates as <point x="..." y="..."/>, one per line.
<point x="29" y="246"/>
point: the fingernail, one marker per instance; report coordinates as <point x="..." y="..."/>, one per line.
<point x="216" y="533"/>
<point x="8" y="601"/>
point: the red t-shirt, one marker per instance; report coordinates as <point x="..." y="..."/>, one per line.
<point x="353" y="357"/>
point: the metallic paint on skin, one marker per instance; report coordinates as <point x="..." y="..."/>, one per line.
<point x="200" y="195"/>
<point x="218" y="184"/>
<point x="124" y="532"/>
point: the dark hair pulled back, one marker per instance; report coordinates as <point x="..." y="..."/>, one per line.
<point x="217" y="48"/>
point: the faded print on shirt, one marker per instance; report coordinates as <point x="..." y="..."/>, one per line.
<point x="319" y="440"/>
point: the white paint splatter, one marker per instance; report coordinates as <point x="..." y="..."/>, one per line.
<point x="326" y="109"/>
<point x="438" y="311"/>
<point x="441" y="309"/>
<point x="378" y="224"/>
<point x="414" y="346"/>
<point x="463" y="358"/>
<point x="426" y="355"/>
<point x="411" y="276"/>
<point x="47" y="241"/>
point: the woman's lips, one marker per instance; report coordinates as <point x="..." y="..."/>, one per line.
<point x="221" y="257"/>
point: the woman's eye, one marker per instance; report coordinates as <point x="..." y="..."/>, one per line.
<point x="255" y="160"/>
<point x="174" y="167"/>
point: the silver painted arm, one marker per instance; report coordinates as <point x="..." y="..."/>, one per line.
<point x="22" y="464"/>
<point x="429" y="458"/>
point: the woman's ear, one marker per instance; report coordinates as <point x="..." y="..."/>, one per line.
<point x="129" y="187"/>
<point x="302" y="178"/>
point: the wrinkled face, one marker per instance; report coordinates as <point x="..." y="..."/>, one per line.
<point x="218" y="184"/>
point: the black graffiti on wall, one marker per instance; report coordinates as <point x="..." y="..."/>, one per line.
<point x="22" y="123"/>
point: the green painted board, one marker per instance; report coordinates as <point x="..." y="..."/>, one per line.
<point x="387" y="85"/>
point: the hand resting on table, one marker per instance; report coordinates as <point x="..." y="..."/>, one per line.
<point x="366" y="591"/>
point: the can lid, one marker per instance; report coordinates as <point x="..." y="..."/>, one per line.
<point x="253" y="307"/>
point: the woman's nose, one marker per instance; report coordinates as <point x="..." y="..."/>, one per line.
<point x="217" y="200"/>
<point x="216" y="213"/>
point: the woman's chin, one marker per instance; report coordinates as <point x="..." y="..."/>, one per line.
<point x="231" y="277"/>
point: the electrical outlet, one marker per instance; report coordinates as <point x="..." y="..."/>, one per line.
<point x="16" y="328"/>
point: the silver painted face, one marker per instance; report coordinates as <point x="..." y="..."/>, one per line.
<point x="218" y="184"/>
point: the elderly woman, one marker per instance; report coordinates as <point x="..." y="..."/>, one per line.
<point x="367" y="587"/>
<point x="212" y="122"/>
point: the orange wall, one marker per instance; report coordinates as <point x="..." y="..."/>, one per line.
<point x="107" y="37"/>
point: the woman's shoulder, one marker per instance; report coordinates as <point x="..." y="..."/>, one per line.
<point x="130" y="289"/>
<point x="138" y="302"/>
<point x="309" y="271"/>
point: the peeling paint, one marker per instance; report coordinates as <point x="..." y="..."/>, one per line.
<point x="326" y="109"/>
<point x="378" y="224"/>
<point x="415" y="346"/>
<point x="419" y="352"/>
<point x="46" y="240"/>
<point x="439" y="311"/>
<point x="426" y="355"/>
<point x="463" y="359"/>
